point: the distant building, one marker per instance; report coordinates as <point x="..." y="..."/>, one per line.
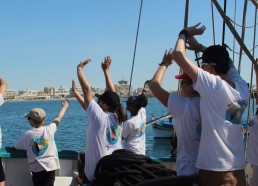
<point x="28" y="94"/>
<point x="61" y="92"/>
<point x="49" y="90"/>
<point x="9" y="94"/>
<point x="42" y="95"/>
<point x="122" y="88"/>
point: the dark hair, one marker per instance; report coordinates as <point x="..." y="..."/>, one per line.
<point x="218" y="55"/>
<point x="142" y="100"/>
<point x="120" y="114"/>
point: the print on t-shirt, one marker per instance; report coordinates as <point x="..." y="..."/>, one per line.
<point x="235" y="111"/>
<point x="39" y="146"/>
<point x="141" y="130"/>
<point x="113" y="134"/>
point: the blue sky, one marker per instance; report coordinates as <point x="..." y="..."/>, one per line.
<point x="43" y="41"/>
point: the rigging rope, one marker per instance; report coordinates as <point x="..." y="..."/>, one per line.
<point x="234" y="40"/>
<point x="135" y="46"/>
<point x="234" y="22"/>
<point x="243" y="35"/>
<point x="213" y="26"/>
<point x="224" y="24"/>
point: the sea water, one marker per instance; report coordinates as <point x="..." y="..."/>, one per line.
<point x="71" y="132"/>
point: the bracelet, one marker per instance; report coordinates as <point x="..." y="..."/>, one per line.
<point x="163" y="64"/>
<point x="185" y="33"/>
<point x="200" y="48"/>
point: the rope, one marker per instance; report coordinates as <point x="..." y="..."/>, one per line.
<point x="241" y="25"/>
<point x="243" y="35"/>
<point x="213" y="25"/>
<point x="135" y="46"/>
<point x="224" y="24"/>
<point x="238" y="52"/>
<point x="234" y="41"/>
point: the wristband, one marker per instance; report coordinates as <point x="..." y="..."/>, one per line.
<point x="185" y="33"/>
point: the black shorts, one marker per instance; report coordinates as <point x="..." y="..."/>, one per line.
<point x="43" y="178"/>
<point x="81" y="165"/>
<point x="2" y="175"/>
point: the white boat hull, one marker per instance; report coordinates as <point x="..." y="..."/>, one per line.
<point x="161" y="133"/>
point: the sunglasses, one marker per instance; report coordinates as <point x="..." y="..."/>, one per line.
<point x="29" y="118"/>
<point x="206" y="64"/>
<point x="187" y="82"/>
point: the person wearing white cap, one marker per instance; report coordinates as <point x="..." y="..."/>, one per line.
<point x="186" y="112"/>
<point x="40" y="146"/>
<point x="3" y="87"/>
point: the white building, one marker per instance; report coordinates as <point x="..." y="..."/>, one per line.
<point x="9" y="94"/>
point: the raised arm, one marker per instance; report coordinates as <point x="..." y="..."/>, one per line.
<point x="65" y="105"/>
<point x="105" y="67"/>
<point x="85" y="85"/>
<point x="156" y="82"/>
<point x="194" y="45"/>
<point x="3" y="86"/>
<point x="77" y="95"/>
<point x="146" y="84"/>
<point x="179" y="53"/>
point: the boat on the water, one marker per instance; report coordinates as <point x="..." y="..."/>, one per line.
<point x="163" y="128"/>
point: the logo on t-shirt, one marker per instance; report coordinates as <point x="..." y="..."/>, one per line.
<point x="113" y="134"/>
<point x="235" y="112"/>
<point x="39" y="146"/>
<point x="141" y="130"/>
<point x="198" y="128"/>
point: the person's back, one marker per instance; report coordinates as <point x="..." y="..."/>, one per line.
<point x="134" y="133"/>
<point x="103" y="136"/>
<point x="40" y="146"/>
<point x="3" y="87"/>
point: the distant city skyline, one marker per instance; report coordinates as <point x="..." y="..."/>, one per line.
<point x="43" y="42"/>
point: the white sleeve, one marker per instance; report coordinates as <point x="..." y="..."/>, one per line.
<point x="95" y="114"/>
<point x="206" y="83"/>
<point x="1" y="99"/>
<point x="20" y="144"/>
<point x="52" y="127"/>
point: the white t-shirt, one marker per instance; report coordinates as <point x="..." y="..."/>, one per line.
<point x="40" y="147"/>
<point x="1" y="103"/>
<point x="187" y="124"/>
<point x="252" y="146"/>
<point x="221" y="108"/>
<point x="103" y="137"/>
<point x="1" y="99"/>
<point x="134" y="133"/>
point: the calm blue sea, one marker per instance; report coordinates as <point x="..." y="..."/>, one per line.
<point x="72" y="129"/>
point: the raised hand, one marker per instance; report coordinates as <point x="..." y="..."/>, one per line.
<point x="65" y="103"/>
<point x="168" y="58"/>
<point x="106" y="63"/>
<point x="193" y="44"/>
<point x="82" y="64"/>
<point x="194" y="30"/>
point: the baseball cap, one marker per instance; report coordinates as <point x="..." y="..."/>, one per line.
<point x="133" y="100"/>
<point x="218" y="55"/>
<point x="110" y="98"/>
<point x="183" y="76"/>
<point x="37" y="114"/>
